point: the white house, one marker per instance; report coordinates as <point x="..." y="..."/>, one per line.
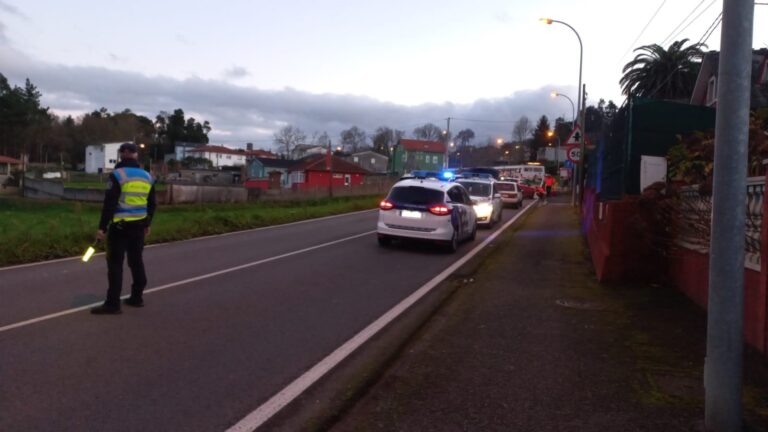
<point x="101" y="157"/>
<point x="220" y="156"/>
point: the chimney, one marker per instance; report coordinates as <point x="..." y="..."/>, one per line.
<point x="249" y="146"/>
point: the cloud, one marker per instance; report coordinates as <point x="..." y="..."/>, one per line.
<point x="236" y="72"/>
<point x="10" y="9"/>
<point x="240" y="114"/>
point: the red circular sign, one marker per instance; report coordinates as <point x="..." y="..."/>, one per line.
<point x="574" y="153"/>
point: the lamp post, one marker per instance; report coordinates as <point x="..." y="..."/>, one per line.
<point x="557" y="152"/>
<point x="555" y="94"/>
<point x="580" y="166"/>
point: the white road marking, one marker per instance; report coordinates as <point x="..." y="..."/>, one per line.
<point x="269" y="408"/>
<point x="186" y="281"/>
<point x="196" y="238"/>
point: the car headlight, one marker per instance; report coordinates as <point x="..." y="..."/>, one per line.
<point x="483" y="209"/>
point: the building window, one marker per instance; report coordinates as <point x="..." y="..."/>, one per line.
<point x="229" y="157"/>
<point x="712" y="91"/>
<point x="298" y="177"/>
<point x="355" y="158"/>
<point x="347" y="179"/>
<point x="373" y="161"/>
<point x="434" y="159"/>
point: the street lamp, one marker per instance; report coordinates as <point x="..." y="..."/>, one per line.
<point x="580" y="170"/>
<point x="555" y="94"/>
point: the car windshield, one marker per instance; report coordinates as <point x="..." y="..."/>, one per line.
<point x="477" y="188"/>
<point x="415" y="195"/>
<point x="507" y="187"/>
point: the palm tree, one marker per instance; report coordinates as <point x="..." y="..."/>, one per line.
<point x="663" y="74"/>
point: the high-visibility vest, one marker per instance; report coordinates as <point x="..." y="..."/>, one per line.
<point x="135" y="184"/>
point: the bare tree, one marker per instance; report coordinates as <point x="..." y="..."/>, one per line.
<point x="465" y="136"/>
<point x="288" y="137"/>
<point x="353" y="138"/>
<point x="385" y="138"/>
<point x="321" y="139"/>
<point x="429" y="131"/>
<point x="523" y="129"/>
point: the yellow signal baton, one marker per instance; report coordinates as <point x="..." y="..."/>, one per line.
<point x="90" y="251"/>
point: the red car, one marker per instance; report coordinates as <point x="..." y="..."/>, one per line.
<point x="530" y="188"/>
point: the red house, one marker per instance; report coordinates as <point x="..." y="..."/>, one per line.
<point x="313" y="172"/>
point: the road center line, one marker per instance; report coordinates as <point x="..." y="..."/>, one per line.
<point x="186" y="281"/>
<point x="271" y="407"/>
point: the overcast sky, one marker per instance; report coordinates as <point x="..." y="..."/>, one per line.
<point x="251" y="66"/>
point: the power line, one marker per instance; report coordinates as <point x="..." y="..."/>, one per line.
<point x="629" y="48"/>
<point x="681" y="23"/>
<point x="694" y="20"/>
<point x="711" y="29"/>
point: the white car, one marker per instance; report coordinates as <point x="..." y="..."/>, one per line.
<point x="510" y="193"/>
<point x="485" y="197"/>
<point x="427" y="209"/>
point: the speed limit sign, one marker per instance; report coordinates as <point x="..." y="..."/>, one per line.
<point x="574" y="153"/>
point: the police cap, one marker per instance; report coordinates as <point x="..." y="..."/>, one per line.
<point x="128" y="147"/>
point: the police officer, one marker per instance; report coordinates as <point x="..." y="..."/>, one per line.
<point x="126" y="215"/>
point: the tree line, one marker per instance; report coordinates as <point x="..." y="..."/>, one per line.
<point x="28" y="128"/>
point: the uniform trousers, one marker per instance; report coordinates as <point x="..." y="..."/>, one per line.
<point x="125" y="238"/>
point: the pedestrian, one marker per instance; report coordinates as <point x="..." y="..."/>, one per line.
<point x="129" y="205"/>
<point x="549" y="182"/>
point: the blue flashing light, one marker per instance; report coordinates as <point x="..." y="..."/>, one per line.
<point x="447" y="175"/>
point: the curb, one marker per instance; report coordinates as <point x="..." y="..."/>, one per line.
<point x="326" y="401"/>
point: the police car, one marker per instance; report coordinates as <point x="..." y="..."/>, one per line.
<point x="427" y="208"/>
<point x="485" y="196"/>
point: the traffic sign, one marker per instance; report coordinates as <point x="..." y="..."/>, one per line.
<point x="575" y="137"/>
<point x="573" y="152"/>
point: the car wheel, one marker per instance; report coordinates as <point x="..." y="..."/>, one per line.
<point x="453" y="244"/>
<point x="385" y="241"/>
<point x="473" y="235"/>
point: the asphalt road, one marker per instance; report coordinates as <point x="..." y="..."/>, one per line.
<point x="233" y="319"/>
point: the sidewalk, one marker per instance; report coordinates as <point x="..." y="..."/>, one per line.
<point x="533" y="343"/>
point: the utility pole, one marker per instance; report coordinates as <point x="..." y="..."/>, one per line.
<point x="725" y="315"/>
<point x="447" y="143"/>
<point x="329" y="162"/>
<point x="582" y="141"/>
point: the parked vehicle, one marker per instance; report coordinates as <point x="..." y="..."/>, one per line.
<point x="427" y="209"/>
<point x="510" y="193"/>
<point x="486" y="199"/>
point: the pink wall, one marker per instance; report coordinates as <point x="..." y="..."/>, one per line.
<point x="619" y="255"/>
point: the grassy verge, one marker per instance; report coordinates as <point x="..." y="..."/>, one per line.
<point x="34" y="231"/>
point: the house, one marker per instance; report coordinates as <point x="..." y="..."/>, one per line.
<point x="371" y="161"/>
<point x="181" y="150"/>
<point x="5" y="167"/>
<point x="250" y="153"/>
<point x="302" y="150"/>
<point x="220" y="156"/>
<point x="314" y="172"/>
<point x="410" y="154"/>
<point x="705" y="89"/>
<point x="101" y="157"/>
<point x="268" y="173"/>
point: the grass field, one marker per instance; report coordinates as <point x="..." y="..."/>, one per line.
<point x="39" y="230"/>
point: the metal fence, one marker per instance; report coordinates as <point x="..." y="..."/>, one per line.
<point x="695" y="211"/>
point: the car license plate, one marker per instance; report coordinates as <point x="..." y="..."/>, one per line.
<point x="411" y="214"/>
